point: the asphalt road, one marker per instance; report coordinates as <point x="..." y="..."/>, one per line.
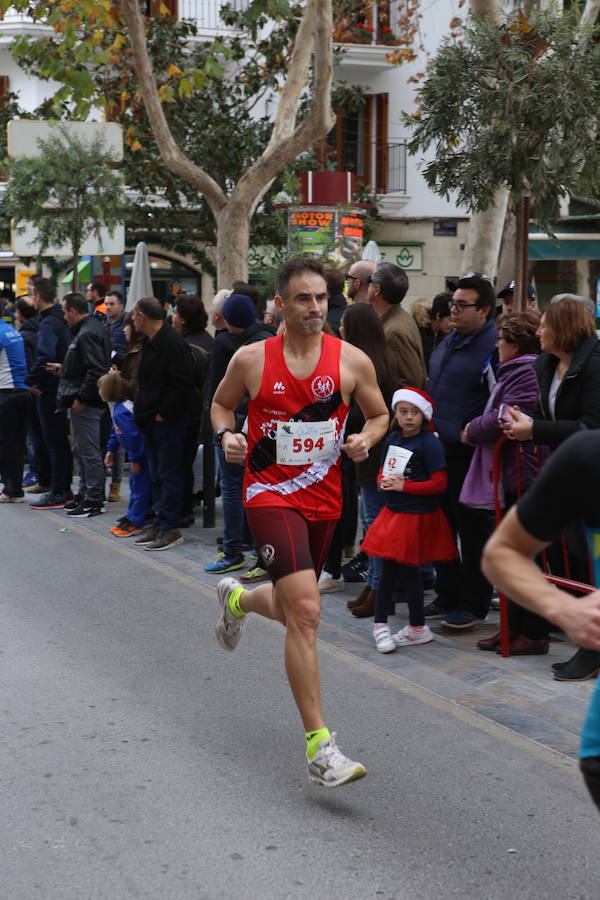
<point x="141" y="761"/>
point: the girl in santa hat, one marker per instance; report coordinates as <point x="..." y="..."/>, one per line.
<point x="411" y="529"/>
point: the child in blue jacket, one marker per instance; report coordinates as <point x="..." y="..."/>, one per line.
<point x="113" y="391"/>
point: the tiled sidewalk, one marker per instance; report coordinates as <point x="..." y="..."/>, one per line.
<point x="518" y="693"/>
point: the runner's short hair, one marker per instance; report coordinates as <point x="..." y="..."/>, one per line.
<point x="296" y="266"/>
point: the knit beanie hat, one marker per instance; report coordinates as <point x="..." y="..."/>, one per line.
<point x="239" y="311"/>
<point x="418" y="398"/>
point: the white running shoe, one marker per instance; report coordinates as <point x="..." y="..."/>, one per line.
<point x="407" y="636"/>
<point x="330" y="768"/>
<point x="329" y="585"/>
<point x="384" y="642"/>
<point x="228" y="629"/>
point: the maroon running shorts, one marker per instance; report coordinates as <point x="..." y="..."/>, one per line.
<point x="287" y="541"/>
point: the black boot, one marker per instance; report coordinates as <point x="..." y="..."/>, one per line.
<point x="584" y="665"/>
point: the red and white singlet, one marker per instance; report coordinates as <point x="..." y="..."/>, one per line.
<point x="283" y="425"/>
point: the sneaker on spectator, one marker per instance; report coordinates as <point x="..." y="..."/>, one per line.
<point x="433" y="611"/>
<point x="407" y="636"/>
<point x="164" y="540"/>
<point x="29" y="480"/>
<point x="384" y="643"/>
<point x="223" y="564"/>
<point x="122" y="520"/>
<point x="461" y="618"/>
<point x="38" y="489"/>
<point x="330" y="768"/>
<point x="51" y="501"/>
<point x="86" y="510"/>
<point x="126" y="530"/>
<point x="6" y="498"/>
<point x="149" y="534"/>
<point x="356" y="570"/>
<point x="256" y="573"/>
<point x="329" y="585"/>
<point x="74" y="502"/>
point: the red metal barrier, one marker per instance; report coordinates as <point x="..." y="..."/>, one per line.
<point x="499" y="511"/>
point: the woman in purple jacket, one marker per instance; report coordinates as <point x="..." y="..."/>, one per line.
<point x="518" y="348"/>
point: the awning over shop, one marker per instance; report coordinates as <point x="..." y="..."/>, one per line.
<point x="84" y="270"/>
<point x="569" y="247"/>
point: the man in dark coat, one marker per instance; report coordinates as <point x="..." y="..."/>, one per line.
<point x="53" y="340"/>
<point x="461" y="376"/>
<point x="336" y="302"/>
<point x="164" y="389"/>
<point x="86" y="360"/>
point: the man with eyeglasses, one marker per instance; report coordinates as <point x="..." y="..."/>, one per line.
<point x="388" y="286"/>
<point x="461" y="377"/>
<point x="358" y="280"/>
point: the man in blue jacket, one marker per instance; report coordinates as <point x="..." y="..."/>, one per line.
<point x="461" y="377"/>
<point x="53" y="340"/>
<point x="14" y="400"/>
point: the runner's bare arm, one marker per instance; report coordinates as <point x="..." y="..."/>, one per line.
<point x="360" y="380"/>
<point x="243" y="376"/>
<point x="508" y="562"/>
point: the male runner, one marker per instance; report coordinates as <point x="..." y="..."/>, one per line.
<point x="300" y="385"/>
<point x="567" y="490"/>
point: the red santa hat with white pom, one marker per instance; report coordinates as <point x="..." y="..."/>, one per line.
<point x="418" y="398"/>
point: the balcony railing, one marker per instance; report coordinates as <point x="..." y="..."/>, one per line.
<point x="380" y="168"/>
<point x="387" y="22"/>
<point x="206" y="13"/>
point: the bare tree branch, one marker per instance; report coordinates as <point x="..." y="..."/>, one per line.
<point x="175" y="159"/>
<point x="289" y="140"/>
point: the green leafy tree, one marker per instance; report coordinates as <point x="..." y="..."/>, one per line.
<point x="195" y="144"/>
<point x="69" y="192"/>
<point x="513" y="104"/>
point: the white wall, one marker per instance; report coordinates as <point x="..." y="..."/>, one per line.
<point x="434" y="26"/>
<point x="31" y="91"/>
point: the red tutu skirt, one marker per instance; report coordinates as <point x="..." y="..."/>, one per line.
<point x="410" y="538"/>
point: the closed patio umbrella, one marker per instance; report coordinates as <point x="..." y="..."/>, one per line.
<point x="141" y="277"/>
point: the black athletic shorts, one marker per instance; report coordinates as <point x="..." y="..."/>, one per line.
<point x="287" y="541"/>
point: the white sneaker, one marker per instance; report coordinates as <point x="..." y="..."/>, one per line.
<point x="329" y="585"/>
<point x="407" y="636"/>
<point x="228" y="629"/>
<point x="330" y="768"/>
<point x="384" y="642"/>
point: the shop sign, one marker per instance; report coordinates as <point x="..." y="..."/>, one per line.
<point x="326" y="231"/>
<point x="407" y="256"/>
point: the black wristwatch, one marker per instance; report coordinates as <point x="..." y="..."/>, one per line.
<point x="220" y="434"/>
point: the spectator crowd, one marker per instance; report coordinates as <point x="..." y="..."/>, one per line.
<point x="87" y="389"/>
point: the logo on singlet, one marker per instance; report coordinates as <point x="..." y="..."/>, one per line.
<point x="279" y="387"/>
<point x="267" y="551"/>
<point x="323" y="387"/>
